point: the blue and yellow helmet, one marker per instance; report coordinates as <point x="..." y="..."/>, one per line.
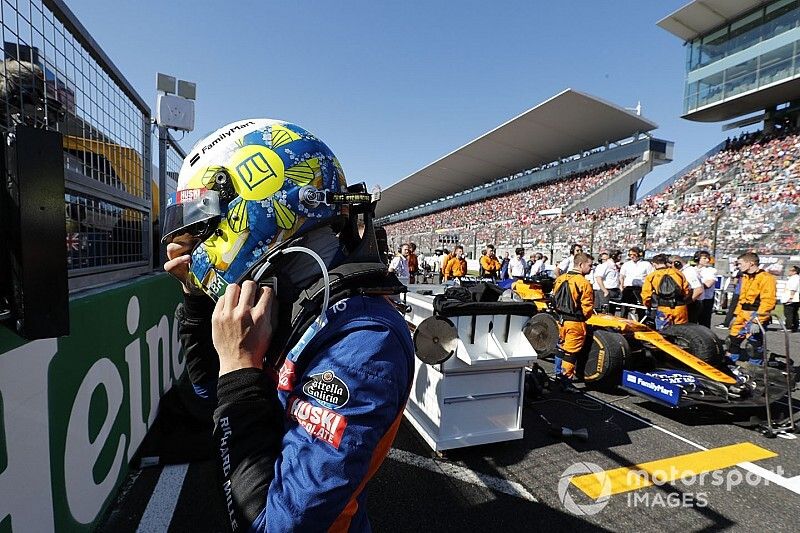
<point x="244" y="190"/>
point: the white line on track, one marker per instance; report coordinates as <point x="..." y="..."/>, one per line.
<point x="462" y="474"/>
<point x="791" y="484"/>
<point x="158" y="514"/>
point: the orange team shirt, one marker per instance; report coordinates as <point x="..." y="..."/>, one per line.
<point x="490" y="265"/>
<point x="456" y="267"/>
<point x="580" y="289"/>
<point x="653" y="280"/>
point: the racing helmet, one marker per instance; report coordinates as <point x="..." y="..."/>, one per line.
<point x="244" y="190"/>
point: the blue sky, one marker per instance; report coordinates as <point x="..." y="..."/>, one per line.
<point x="392" y="86"/>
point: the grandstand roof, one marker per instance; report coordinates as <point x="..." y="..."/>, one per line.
<point x="701" y="16"/>
<point x="565" y="124"/>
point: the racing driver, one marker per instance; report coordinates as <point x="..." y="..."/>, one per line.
<point x="305" y="362"/>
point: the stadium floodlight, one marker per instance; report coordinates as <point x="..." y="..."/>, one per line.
<point x="175" y="111"/>
<point x="165" y="83"/>
<point x="187" y="89"/>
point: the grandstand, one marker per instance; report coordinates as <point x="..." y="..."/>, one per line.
<point x="571" y="153"/>
<point x="743" y="194"/>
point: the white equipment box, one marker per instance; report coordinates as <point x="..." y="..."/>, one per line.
<point x="474" y="397"/>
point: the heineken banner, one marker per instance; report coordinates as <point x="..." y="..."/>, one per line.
<point x="74" y="410"/>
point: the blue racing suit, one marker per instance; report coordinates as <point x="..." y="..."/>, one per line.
<point x="297" y="454"/>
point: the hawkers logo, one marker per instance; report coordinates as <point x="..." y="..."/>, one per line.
<point x="327" y="389"/>
<point x="226" y="134"/>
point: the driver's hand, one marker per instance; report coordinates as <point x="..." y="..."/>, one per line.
<point x="242" y="326"/>
<point x="178" y="260"/>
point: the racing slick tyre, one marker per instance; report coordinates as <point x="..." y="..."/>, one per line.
<point x="604" y="359"/>
<point x="697" y="340"/>
<point x="541" y="330"/>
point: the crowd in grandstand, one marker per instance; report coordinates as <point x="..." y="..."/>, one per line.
<point x="746" y="195"/>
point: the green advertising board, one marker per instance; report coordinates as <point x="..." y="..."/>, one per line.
<point x="74" y="410"/>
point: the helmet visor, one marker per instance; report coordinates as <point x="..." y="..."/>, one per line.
<point x="190" y="211"/>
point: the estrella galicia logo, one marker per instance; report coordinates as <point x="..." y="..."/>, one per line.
<point x="327" y="389"/>
<point x="255" y="170"/>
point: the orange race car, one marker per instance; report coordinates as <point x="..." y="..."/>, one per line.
<point x="679" y="366"/>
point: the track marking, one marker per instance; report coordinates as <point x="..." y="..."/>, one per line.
<point x="787" y="483"/>
<point x="642" y="475"/>
<point x="462" y="474"/>
<point x="158" y="514"/>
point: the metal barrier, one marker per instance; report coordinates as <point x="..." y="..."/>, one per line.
<point x="49" y="57"/>
<point x="170" y="159"/>
<point x="787" y="426"/>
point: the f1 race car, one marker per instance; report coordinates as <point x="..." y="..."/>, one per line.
<point x="681" y="365"/>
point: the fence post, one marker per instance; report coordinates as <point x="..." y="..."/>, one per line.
<point x="715" y="233"/>
<point x="162" y="189"/>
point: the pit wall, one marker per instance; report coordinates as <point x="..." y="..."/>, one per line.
<point x="74" y="410"/>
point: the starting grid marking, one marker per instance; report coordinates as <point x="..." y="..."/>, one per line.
<point x="629" y="478"/>
<point x="461" y="473"/>
<point x="158" y="514"/>
<point x="790" y="484"/>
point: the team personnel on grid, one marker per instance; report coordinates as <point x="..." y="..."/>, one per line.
<point x="413" y="263"/>
<point x="574" y="302"/>
<point x="756" y="302"/>
<point x="516" y="266"/>
<point x="445" y="258"/>
<point x="606" y="275"/>
<point x="667" y="290"/>
<point x="632" y="274"/>
<point x="399" y="264"/>
<point x="568" y="262"/>
<point x="708" y="277"/>
<point x="692" y="276"/>
<point x="457" y="266"/>
<point x="791" y="298"/>
<point x="490" y="264"/>
<point x="631" y="277"/>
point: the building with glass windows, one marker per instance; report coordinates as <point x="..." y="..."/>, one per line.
<point x="742" y="56"/>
